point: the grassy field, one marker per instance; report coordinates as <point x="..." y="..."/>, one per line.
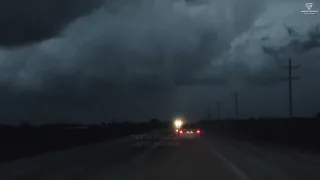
<point x="22" y="141"/>
<point x="302" y="134"/>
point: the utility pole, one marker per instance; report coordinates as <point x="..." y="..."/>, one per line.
<point x="236" y="104"/>
<point x="209" y="111"/>
<point x="289" y="79"/>
<point x="218" y="108"/>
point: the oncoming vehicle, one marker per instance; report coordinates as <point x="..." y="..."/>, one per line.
<point x="189" y="130"/>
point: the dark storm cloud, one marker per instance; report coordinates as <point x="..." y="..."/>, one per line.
<point x="130" y="61"/>
<point x="115" y="64"/>
<point x="256" y="56"/>
<point x="24" y="22"/>
<point x="297" y="45"/>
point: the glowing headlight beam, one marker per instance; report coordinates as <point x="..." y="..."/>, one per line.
<point x="178" y="123"/>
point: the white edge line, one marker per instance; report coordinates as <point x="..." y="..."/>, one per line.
<point x="231" y="165"/>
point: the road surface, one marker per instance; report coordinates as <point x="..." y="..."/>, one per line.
<point x="198" y="158"/>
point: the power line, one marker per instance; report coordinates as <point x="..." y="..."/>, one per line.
<point x="289" y="79"/>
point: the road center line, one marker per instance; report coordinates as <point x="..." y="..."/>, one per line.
<point x="230" y="165"/>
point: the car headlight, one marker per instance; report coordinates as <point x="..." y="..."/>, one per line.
<point x="178" y="123"/>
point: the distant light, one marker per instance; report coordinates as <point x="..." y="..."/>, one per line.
<point x="178" y="123"/>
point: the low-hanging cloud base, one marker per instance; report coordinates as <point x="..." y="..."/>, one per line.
<point x="139" y="60"/>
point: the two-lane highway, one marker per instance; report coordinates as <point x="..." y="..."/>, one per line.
<point x="198" y="158"/>
<point x="217" y="158"/>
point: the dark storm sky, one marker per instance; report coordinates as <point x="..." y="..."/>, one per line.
<point x="93" y="61"/>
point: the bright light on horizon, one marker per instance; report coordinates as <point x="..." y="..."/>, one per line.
<point x="178" y="122"/>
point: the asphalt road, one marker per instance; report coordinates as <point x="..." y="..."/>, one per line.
<point x="168" y="158"/>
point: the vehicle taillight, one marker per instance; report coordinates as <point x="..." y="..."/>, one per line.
<point x="198" y="131"/>
<point x="181" y="132"/>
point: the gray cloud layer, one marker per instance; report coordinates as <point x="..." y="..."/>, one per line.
<point x="24" y="22"/>
<point x="132" y="60"/>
